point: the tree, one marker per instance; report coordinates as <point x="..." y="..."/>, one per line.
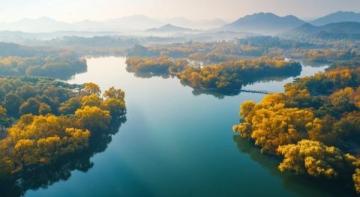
<point x="116" y="107"/>
<point x="70" y="106"/>
<point x="12" y="103"/>
<point x="114" y="93"/>
<point x="356" y="179"/>
<point x="31" y="106"/>
<point x="44" y="109"/>
<point x="91" y="88"/>
<point x="91" y="100"/>
<point x="4" y="119"/>
<point x="311" y="157"/>
<point x="93" y="118"/>
<point x="38" y="140"/>
<point x="271" y="124"/>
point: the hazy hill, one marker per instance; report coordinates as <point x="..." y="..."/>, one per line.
<point x="127" y="24"/>
<point x="169" y="28"/>
<point x="337" y="17"/>
<point x="44" y="24"/>
<point x="196" y="24"/>
<point x="10" y="49"/>
<point x="343" y="30"/>
<point x="264" y="23"/>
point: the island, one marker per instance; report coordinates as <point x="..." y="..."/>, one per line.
<point x="229" y="77"/>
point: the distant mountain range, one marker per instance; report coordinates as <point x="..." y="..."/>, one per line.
<point x="45" y="24"/>
<point x="264" y="23"/>
<point x="169" y="28"/>
<point x="259" y="23"/>
<point x="124" y="24"/>
<point x="337" y="17"/>
<point x="196" y="24"/>
<point x="342" y="30"/>
<point x="271" y="24"/>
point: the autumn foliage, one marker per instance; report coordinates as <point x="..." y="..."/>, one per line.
<point x="314" y="125"/>
<point x="38" y="139"/>
<point x="232" y="75"/>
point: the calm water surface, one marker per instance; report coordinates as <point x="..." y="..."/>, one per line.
<point x="177" y="144"/>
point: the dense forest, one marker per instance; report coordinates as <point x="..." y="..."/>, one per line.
<point x="62" y="67"/>
<point x="229" y="77"/>
<point x="225" y="78"/>
<point x="155" y="66"/>
<point x="253" y="47"/>
<point x="44" y="122"/>
<point x="16" y="60"/>
<point x="313" y="126"/>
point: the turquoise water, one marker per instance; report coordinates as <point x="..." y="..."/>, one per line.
<point x="177" y="144"/>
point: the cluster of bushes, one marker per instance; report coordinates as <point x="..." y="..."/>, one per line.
<point x="314" y="125"/>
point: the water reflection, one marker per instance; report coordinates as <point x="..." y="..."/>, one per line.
<point x="147" y="75"/>
<point x="299" y="185"/>
<point x="228" y="92"/>
<point x="56" y="73"/>
<point x="236" y="91"/>
<point x="45" y="176"/>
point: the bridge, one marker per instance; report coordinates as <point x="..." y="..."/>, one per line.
<point x="257" y="91"/>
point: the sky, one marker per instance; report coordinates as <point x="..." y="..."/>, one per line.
<point x="77" y="10"/>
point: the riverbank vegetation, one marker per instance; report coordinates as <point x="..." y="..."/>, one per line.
<point x="155" y="66"/>
<point x="313" y="126"/>
<point x="46" y="122"/>
<point x="324" y="52"/>
<point x="231" y="76"/>
<point x="56" y="66"/>
<point x="225" y="78"/>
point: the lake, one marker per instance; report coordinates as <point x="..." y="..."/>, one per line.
<point x="175" y="143"/>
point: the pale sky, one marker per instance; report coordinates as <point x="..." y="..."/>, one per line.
<point x="76" y="10"/>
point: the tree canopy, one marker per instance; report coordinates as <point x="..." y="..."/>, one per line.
<point x="50" y="120"/>
<point x="313" y="125"/>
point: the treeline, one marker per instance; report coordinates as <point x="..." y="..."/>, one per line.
<point x="206" y="52"/>
<point x="314" y="125"/>
<point x="253" y="47"/>
<point x="326" y="56"/>
<point x="155" y="66"/>
<point x="226" y="78"/>
<point x="62" y="67"/>
<point x="46" y="121"/>
<point x="229" y="77"/>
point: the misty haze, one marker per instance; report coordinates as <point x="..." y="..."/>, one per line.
<point x="148" y="98"/>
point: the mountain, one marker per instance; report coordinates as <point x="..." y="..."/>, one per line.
<point x="196" y="24"/>
<point x="43" y="24"/>
<point x="334" y="31"/>
<point x="264" y="23"/>
<point x="169" y="28"/>
<point x="337" y="17"/>
<point x="10" y="49"/>
<point x="127" y="24"/>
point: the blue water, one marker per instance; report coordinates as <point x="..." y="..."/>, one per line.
<point x="177" y="144"/>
